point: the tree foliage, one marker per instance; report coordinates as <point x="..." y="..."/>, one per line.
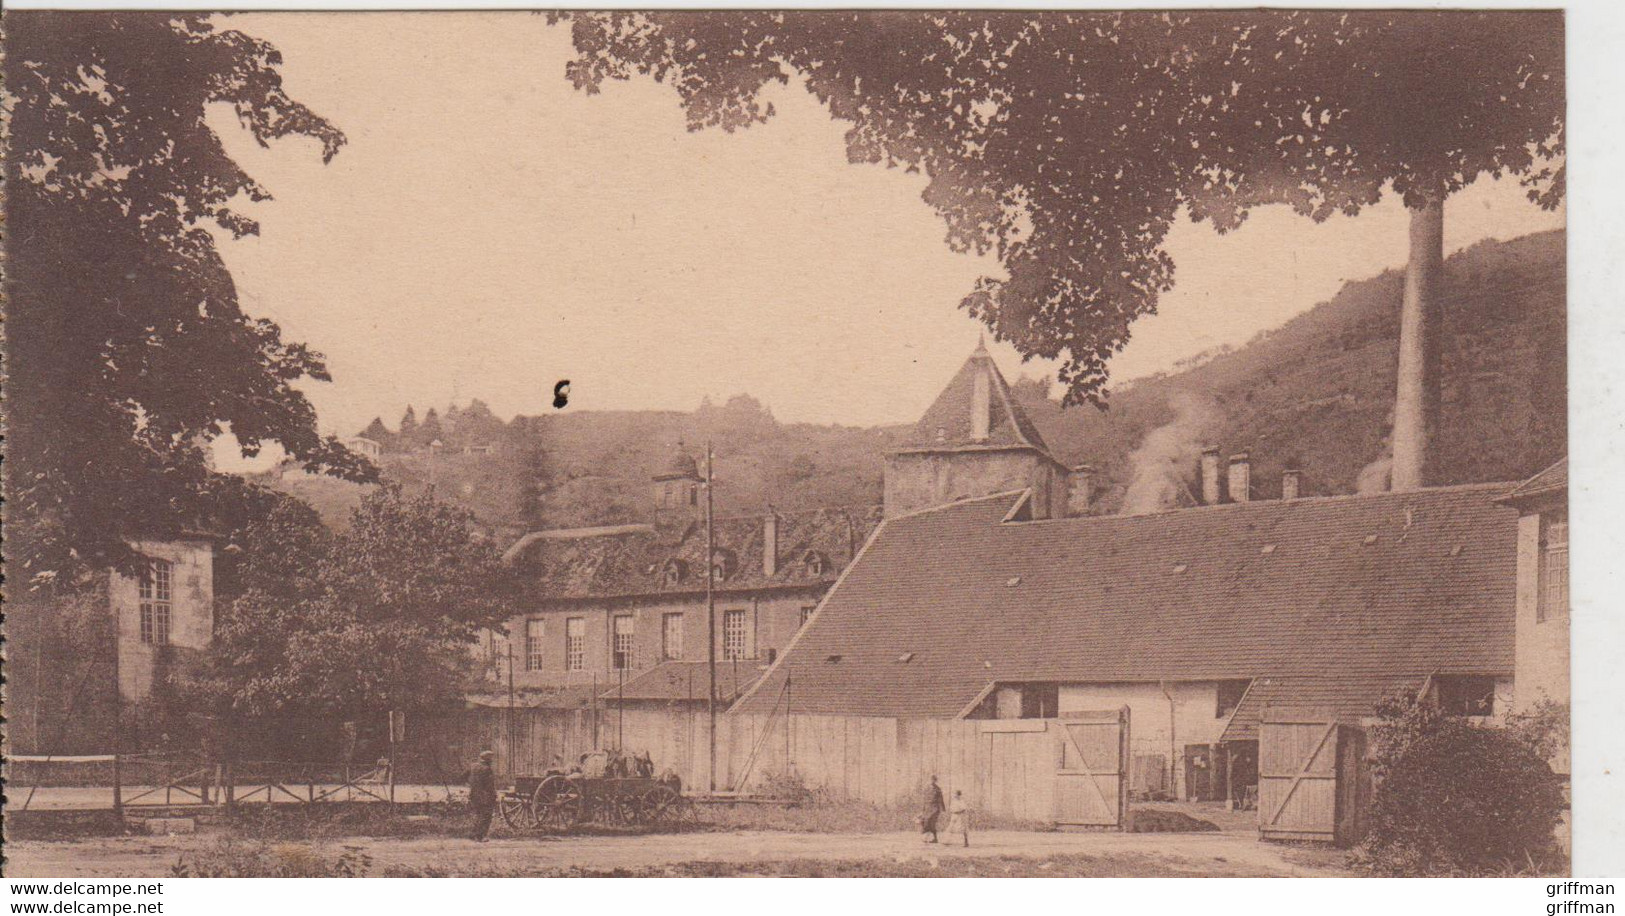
<point x="344" y="626"/>
<point x="126" y="348"/>
<point x="1068" y="143"/>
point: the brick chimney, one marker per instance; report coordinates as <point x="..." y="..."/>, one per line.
<point x="770" y="543"/>
<point x="1290" y="483"/>
<point x="1080" y="490"/>
<point x="1210" y="476"/>
<point x="1241" y="478"/>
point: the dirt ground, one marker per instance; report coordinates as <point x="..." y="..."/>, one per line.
<point x="1111" y="853"/>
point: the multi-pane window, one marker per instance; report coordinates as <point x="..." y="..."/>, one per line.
<point x="734" y="643"/>
<point x="621" y="641"/>
<point x="807" y="612"/>
<point x="535" y="647"/>
<point x="671" y="636"/>
<point x="575" y="644"/>
<point x="154" y="594"/>
<point x="1554" y="566"/>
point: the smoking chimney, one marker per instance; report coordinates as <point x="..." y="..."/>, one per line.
<point x="1241" y="478"/>
<point x="1210" y="476"/>
<point x="1290" y="481"/>
<point x="1080" y="490"/>
<point x="770" y="543"/>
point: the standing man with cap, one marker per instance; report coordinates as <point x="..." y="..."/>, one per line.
<point x="482" y="795"/>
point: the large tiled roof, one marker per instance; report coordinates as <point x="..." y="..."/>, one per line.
<point x="1551" y="481"/>
<point x="1348" y="697"/>
<point x="944" y="602"/>
<point x="631" y="560"/>
<point x="686" y="681"/>
<point x="947" y="422"/>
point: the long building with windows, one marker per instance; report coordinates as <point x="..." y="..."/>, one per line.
<point x="621" y="611"/>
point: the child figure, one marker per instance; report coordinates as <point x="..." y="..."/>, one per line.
<point x="959" y="818"/>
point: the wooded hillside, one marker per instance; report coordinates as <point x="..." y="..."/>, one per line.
<point x="1315" y="394"/>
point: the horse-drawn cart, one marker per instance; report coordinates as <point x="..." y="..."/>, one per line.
<point x="623" y="793"/>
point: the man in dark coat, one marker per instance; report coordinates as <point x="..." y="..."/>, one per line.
<point x="482" y="795"/>
<point x="932" y="810"/>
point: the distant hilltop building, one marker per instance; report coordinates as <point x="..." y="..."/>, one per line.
<point x="471" y="430"/>
<point x="361" y="445"/>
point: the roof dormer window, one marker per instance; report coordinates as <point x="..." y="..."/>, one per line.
<point x="815" y="564"/>
<point x="672" y="572"/>
<point x="723" y="564"/>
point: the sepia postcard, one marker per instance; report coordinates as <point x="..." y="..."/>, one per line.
<point x="854" y="443"/>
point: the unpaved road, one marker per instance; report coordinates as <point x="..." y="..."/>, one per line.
<point x="1224" y="854"/>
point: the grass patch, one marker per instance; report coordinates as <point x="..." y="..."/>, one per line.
<point x="328" y="822"/>
<point x="229" y="857"/>
<point x="1158" y="820"/>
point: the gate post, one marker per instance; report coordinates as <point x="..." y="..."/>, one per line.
<point x="1122" y="769"/>
<point x="118" y="788"/>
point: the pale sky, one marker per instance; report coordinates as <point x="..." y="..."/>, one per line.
<point x="489" y="230"/>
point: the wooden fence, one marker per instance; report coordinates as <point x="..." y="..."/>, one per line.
<point x="1004" y="767"/>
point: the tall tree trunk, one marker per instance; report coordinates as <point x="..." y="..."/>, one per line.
<point x="1421" y="337"/>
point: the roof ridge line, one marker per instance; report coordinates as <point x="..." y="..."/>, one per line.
<point x="1012" y="410"/>
<point x="1257" y="503"/>
<point x="1005" y="494"/>
<point x="784" y="654"/>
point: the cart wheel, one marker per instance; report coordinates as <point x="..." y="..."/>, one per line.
<point x="659" y="804"/>
<point x="516" y="811"/>
<point x="682" y="812"/>
<point x="558" y="804"/>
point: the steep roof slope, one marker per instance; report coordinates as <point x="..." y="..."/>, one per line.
<point x="946" y="424"/>
<point x="1552" y="481"/>
<point x="941" y="603"/>
<point x="628" y="560"/>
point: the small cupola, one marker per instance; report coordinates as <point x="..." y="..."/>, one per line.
<point x="677" y="485"/>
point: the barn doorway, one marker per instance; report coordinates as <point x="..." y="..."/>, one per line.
<point x="1092" y="769"/>
<point x="1311" y="777"/>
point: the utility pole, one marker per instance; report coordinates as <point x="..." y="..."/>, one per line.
<point x="511" y="724"/>
<point x="711" y="613"/>
<point x="118" y="719"/>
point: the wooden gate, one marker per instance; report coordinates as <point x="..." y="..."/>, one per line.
<point x="1091" y="776"/>
<point x="1309" y="776"/>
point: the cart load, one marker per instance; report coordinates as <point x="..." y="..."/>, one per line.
<point x="605" y="788"/>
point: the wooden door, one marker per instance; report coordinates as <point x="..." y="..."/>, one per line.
<point x="1297" y="776"/>
<point x="1091" y="776"/>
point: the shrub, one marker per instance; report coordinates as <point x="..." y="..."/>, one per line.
<point x="1455" y="798"/>
<point x="1545" y="728"/>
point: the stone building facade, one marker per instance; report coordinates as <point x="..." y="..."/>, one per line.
<point x="168" y="610"/>
<point x="621" y="610"/>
